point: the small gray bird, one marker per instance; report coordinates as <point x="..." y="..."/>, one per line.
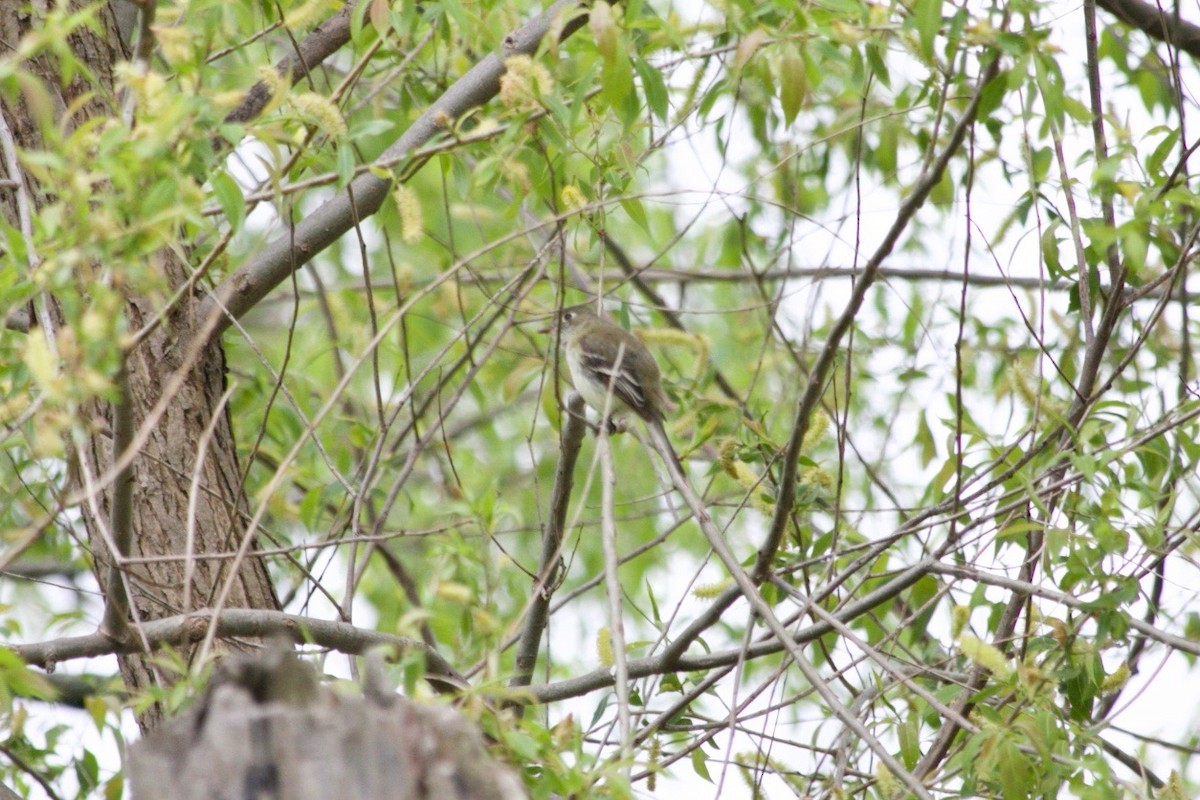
<point x="611" y="367"/>
<point x="615" y="373"/>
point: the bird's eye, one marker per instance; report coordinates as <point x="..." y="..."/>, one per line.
<point x="568" y="316"/>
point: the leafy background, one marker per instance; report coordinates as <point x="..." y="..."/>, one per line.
<point x="728" y="176"/>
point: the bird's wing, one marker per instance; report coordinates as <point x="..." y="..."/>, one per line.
<point x="624" y="385"/>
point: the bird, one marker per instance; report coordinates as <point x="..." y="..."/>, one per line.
<point x="615" y="373"/>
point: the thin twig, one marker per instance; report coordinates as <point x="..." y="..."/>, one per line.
<point x="189" y="549"/>
<point x="749" y="591"/>
<point x="612" y="585"/>
<point x="322" y="42"/>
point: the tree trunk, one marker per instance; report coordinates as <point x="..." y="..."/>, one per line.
<point x="163" y="470"/>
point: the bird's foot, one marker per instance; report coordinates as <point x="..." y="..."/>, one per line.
<point x="614" y="425"/>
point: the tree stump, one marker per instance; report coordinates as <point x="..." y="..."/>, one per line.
<point x="265" y="729"/>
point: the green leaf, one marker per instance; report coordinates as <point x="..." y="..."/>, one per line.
<point x="310" y="507"/>
<point x="943" y="191"/>
<point x="230" y="198"/>
<point x="523" y="745"/>
<point x="617" y="81"/>
<point x="637" y="212"/>
<point x="369" y="128"/>
<point x="992" y="95"/>
<point x="604" y="30"/>
<point x="19" y="680"/>
<point x="943" y="476"/>
<point x="345" y="165"/>
<point x="653" y="87"/>
<point x="924" y="440"/>
<point x="357" y="19"/>
<point x="875" y="58"/>
<point x="913" y="319"/>
<point x="87" y="770"/>
<point x="1156" y="161"/>
<point x="910" y="740"/>
<point x="748" y="46"/>
<point x="380" y="18"/>
<point x="549" y="404"/>
<point x="598" y="714"/>
<point x="927" y="15"/>
<point x="97" y="709"/>
<point x="655" y="615"/>
<point x="1050" y="86"/>
<point x="793" y="82"/>
<point x="1134" y="247"/>
<point x="1016" y="773"/>
<point x="1081" y="686"/>
<point x="1049" y="244"/>
<point x="700" y="763"/>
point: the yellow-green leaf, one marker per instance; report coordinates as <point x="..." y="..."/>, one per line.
<point x="793" y="82"/>
<point x="604" y="29"/>
<point x="748" y="46"/>
<point x="229" y="196"/>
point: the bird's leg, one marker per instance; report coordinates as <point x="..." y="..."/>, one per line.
<point x="615" y="425"/>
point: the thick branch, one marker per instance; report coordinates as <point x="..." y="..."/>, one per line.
<point x="320" y="44"/>
<point x="365" y="194"/>
<point x="242" y="622"/>
<point x="1151" y="20"/>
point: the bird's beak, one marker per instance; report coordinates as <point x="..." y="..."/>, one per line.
<point x="549" y="320"/>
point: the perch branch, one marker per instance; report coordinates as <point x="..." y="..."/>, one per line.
<point x="550" y="569"/>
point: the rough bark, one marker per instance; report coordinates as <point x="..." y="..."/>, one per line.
<point x="163" y="468"/>
<point x="266" y="729"/>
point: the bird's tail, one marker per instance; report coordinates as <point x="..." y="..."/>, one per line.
<point x="666" y="451"/>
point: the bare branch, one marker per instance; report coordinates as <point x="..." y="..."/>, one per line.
<point x="613" y="591"/>
<point x="549" y="570"/>
<point x="242" y="622"/>
<point x="667" y="662"/>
